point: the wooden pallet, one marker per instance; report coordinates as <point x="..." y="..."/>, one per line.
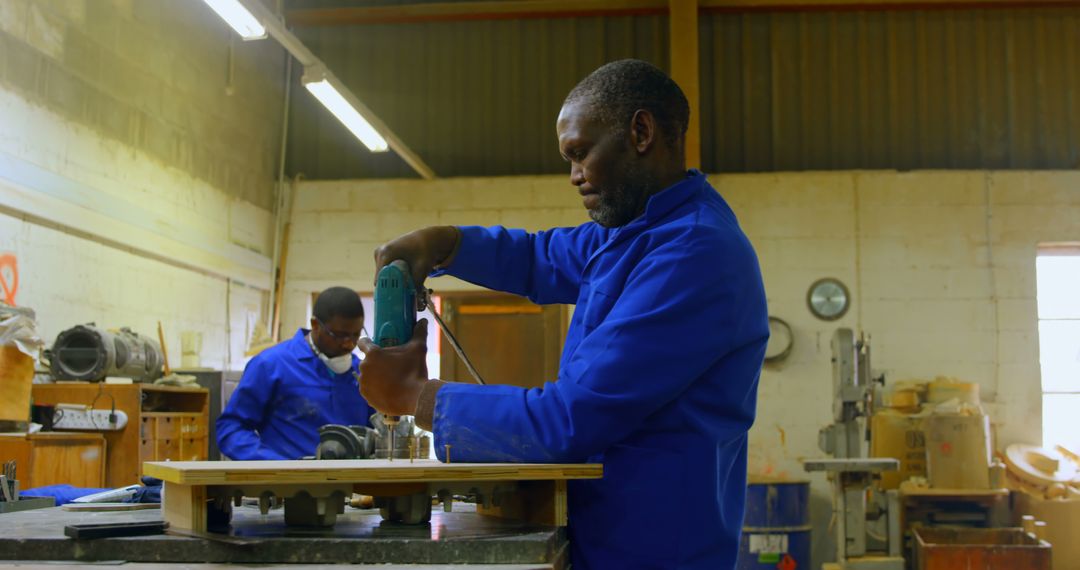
<point x="539" y="496"/>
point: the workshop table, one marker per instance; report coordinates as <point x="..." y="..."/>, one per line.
<point x="360" y="536"/>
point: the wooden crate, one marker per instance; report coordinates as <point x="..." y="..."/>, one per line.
<point x="979" y="549"/>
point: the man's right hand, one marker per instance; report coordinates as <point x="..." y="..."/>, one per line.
<point x="423" y="250"/>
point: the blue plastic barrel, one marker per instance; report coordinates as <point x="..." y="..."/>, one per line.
<point x="776" y="528"/>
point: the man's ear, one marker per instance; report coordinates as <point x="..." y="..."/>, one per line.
<point x="314" y="324"/>
<point x="643" y="130"/>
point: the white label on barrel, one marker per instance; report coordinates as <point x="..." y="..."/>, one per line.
<point x="768" y="543"/>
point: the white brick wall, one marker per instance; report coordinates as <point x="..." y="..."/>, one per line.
<point x="102" y="232"/>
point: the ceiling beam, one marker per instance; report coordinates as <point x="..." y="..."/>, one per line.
<point x="872" y="5"/>
<point x="466" y="11"/>
<point x="683" y="42"/>
<point x="548" y="9"/>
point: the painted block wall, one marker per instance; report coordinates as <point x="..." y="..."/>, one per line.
<point x="941" y="265"/>
<point x="169" y="78"/>
<point x="69" y="280"/>
<point x="138" y="150"/>
<point x="94" y="231"/>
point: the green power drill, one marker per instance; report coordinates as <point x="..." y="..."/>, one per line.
<point x="395" y="317"/>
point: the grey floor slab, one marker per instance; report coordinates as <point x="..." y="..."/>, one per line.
<point x="359" y="537"/>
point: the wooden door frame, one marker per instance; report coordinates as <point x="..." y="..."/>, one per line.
<point x="495" y="296"/>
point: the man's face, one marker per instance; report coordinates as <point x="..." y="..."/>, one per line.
<point x="337" y="336"/>
<point x="603" y="165"/>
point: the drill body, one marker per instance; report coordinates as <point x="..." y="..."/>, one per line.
<point x="395" y="315"/>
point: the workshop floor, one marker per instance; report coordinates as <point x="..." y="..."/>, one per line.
<point x="458" y="539"/>
<point x="139" y="566"/>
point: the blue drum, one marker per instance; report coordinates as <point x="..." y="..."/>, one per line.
<point x="776" y="528"/>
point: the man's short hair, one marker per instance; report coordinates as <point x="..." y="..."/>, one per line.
<point x="618" y="89"/>
<point x="338" y="302"/>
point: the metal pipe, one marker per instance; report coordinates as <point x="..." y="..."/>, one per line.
<point x="279" y="207"/>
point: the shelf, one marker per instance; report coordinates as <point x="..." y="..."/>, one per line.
<point x="164" y="422"/>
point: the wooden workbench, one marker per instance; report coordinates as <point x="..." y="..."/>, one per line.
<point x="540" y="496"/>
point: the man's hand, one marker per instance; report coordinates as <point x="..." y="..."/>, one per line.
<point x="391" y="378"/>
<point x="423" y="250"/>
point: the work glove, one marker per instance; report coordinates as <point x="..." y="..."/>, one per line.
<point x="424" y="250"/>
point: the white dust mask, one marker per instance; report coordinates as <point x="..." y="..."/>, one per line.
<point x="338" y="364"/>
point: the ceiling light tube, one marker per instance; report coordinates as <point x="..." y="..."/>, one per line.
<point x="339" y="101"/>
<point x="239" y="18"/>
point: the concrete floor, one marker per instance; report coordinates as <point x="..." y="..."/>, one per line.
<point x="34" y="539"/>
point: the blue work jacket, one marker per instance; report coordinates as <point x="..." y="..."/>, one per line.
<point x="284" y="396"/>
<point x="658" y="377"/>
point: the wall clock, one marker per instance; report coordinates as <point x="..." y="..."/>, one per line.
<point x="828" y="299"/>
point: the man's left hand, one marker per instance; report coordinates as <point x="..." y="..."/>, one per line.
<point x="391" y="378"/>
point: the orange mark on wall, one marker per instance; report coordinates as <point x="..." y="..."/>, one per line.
<point x="783" y="435"/>
<point x="9" y="277"/>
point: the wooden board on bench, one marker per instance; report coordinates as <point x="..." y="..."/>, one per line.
<point x="542" y="486"/>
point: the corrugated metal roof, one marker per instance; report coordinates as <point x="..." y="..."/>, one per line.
<point x="472" y="98"/>
<point x="905" y="90"/>
<point x="780" y="91"/>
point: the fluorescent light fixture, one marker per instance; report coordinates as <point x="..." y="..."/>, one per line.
<point x="337" y="103"/>
<point x="239" y="18"/>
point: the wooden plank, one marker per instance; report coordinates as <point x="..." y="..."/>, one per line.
<point x="956" y="493"/>
<point x="110" y="507"/>
<point x="62" y="436"/>
<point x="685" y="69"/>
<point x="360" y="471"/>
<point x="173" y="389"/>
<point x="184" y="506"/>
<point x="16" y="379"/>
<point x="464" y="11"/>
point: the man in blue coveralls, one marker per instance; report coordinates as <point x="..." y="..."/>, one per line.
<point x="290" y="390"/>
<point x="658" y="377"/>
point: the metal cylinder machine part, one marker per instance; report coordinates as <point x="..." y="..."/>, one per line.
<point x="88" y="352"/>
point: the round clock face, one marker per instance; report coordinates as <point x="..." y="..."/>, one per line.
<point x="828" y="299"/>
<point x="780" y="340"/>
